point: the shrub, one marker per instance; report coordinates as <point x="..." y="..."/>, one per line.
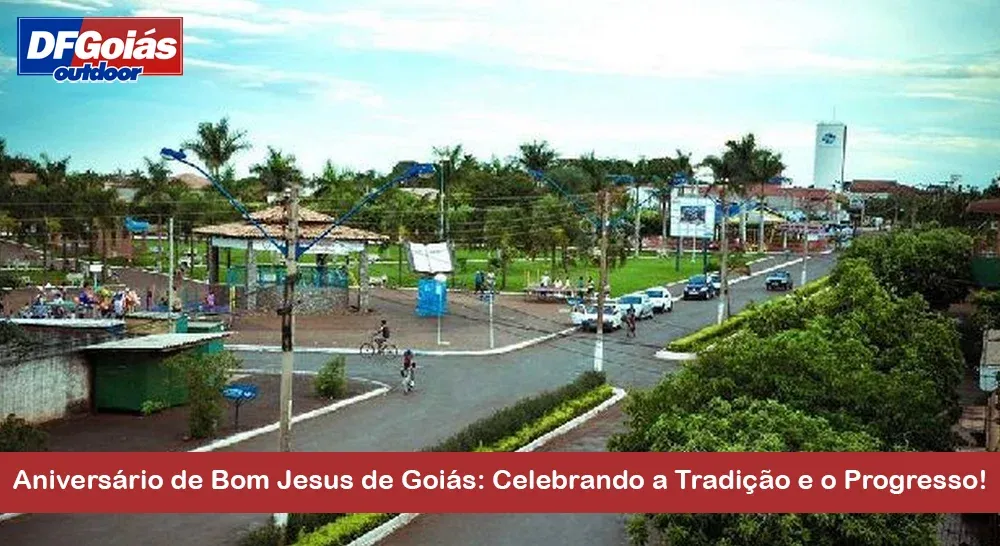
<point x="268" y="535"/>
<point x="508" y="421"/>
<point x="204" y="375"/>
<point x="17" y="435"/>
<point x="552" y="420"/>
<point x="297" y="526"/>
<point x="150" y="407"/>
<point x="331" y="381"/>
<point x="344" y="530"/>
<point x="14" y="337"/>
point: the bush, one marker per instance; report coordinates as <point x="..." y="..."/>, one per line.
<point x="508" y="421"/>
<point x="297" y="526"/>
<point x="17" y="435"/>
<point x="268" y="535"/>
<point x="150" y="407"/>
<point x="552" y="420"/>
<point x="204" y="375"/>
<point x="344" y="530"/>
<point x="331" y="381"/>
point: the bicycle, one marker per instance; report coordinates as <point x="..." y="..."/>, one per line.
<point x="407" y="383"/>
<point x="373" y="347"/>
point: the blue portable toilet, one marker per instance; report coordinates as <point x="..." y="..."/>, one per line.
<point x="432" y="297"/>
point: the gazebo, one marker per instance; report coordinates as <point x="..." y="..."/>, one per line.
<point x="321" y="288"/>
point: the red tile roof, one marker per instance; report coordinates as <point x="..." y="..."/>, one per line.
<point x="881" y="186"/>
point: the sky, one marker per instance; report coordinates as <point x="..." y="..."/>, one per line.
<point x="365" y="83"/>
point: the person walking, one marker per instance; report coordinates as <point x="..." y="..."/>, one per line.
<point x="630" y="320"/>
<point x="408" y="372"/>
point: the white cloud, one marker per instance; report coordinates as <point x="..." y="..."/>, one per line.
<point x="76" y="5"/>
<point x="321" y="86"/>
<point x="195" y="40"/>
<point x="928" y="139"/>
<point x="214" y="22"/>
<point x="948" y="96"/>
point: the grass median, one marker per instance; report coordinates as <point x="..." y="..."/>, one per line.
<point x="508" y="429"/>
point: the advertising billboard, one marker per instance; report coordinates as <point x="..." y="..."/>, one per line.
<point x="830" y="151"/>
<point x="692" y="217"/>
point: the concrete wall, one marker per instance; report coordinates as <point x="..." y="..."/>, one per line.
<point x="47" y="388"/>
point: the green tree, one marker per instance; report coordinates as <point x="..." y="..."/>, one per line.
<point x="216" y="144"/>
<point x="277" y="171"/>
<point x="537" y="156"/>
<point x="748" y="425"/>
<point x="934" y="263"/>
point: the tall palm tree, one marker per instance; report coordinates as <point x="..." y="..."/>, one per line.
<point x="216" y="144"/>
<point x="723" y="173"/>
<point x="596" y="171"/>
<point x="277" y="171"/>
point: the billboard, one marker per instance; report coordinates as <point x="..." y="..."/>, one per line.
<point x="692" y="217"/>
<point x="431" y="258"/>
<point x="831" y="149"/>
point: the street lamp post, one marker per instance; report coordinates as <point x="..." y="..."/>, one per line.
<point x="441" y="279"/>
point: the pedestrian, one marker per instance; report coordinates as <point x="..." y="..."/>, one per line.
<point x="630" y="321"/>
<point x="149" y="299"/>
<point x="479" y="279"/>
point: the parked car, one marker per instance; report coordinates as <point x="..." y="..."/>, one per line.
<point x="614" y="317"/>
<point x="779" y="280"/>
<point x="715" y="279"/>
<point x="698" y="287"/>
<point x="662" y="301"/>
<point x="642" y="303"/>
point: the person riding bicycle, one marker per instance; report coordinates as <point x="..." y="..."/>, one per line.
<point x="382" y="335"/>
<point x="630" y="321"/>
<point x="409" y="367"/>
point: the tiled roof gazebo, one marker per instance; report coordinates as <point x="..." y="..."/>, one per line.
<point x="341" y="241"/>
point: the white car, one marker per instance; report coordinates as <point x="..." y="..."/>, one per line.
<point x="716" y="280"/>
<point x="578" y="314"/>
<point x="663" y="302"/>
<point x="614" y="317"/>
<point x="642" y="304"/>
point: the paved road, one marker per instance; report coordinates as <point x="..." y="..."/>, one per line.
<point x="452" y="392"/>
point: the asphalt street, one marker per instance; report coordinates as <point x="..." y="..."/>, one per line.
<point x="452" y="392"/>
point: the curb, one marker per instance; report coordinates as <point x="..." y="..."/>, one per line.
<point x="246" y="435"/>
<point x="380" y="533"/>
<point x="670" y="355"/>
<point x="417" y="352"/>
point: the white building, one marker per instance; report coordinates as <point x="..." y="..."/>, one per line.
<point x="831" y="149"/>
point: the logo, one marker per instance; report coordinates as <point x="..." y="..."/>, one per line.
<point x="829" y="139"/>
<point x="100" y="49"/>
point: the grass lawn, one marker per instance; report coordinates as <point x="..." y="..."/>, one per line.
<point x="636" y="274"/>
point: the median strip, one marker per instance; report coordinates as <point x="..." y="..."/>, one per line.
<point x="525" y="426"/>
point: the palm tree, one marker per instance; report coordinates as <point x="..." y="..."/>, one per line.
<point x="722" y="172"/>
<point x="157" y="195"/>
<point x="766" y="166"/>
<point x="277" y="171"/>
<point x="216" y="144"/>
<point x="596" y="171"/>
<point x="537" y="156"/>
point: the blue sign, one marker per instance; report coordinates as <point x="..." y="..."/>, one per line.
<point x="240" y="392"/>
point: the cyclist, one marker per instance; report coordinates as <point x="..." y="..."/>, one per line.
<point x="630" y="320"/>
<point x="409" y="370"/>
<point x="381" y="336"/>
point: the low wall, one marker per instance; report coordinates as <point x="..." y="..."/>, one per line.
<point x="46" y="388"/>
<point x="311" y="300"/>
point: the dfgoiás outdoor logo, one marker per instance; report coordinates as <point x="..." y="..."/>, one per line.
<point x="100" y="49"/>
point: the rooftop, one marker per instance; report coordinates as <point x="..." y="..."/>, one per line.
<point x="70" y="322"/>
<point x="156" y="342"/>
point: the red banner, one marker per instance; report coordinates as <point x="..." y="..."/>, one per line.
<point x="499" y="482"/>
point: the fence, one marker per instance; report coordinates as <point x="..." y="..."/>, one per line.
<point x="270" y="275"/>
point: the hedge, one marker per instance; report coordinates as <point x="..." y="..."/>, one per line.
<point x="509" y="421"/>
<point x="564" y="404"/>
<point x="704" y="337"/>
<point x="344" y="530"/>
<point x="566" y="412"/>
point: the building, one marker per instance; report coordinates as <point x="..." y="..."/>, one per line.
<point x="831" y="151"/>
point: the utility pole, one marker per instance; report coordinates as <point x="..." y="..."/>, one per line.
<point x="638" y="220"/>
<point x="287" y="328"/>
<point x="599" y="344"/>
<point x="805" y="252"/>
<point x="723" y="274"/>
<point x="491" y="319"/>
<point x="288" y="316"/>
<point x="760" y="233"/>
<point x="441" y="202"/>
<point x="170" y="282"/>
